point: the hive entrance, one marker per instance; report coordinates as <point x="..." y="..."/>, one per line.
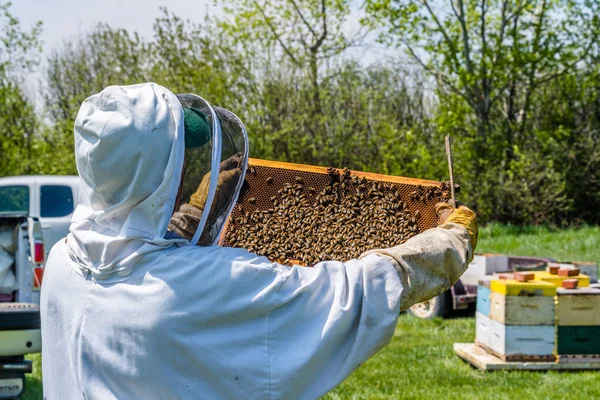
<point x="299" y="214"/>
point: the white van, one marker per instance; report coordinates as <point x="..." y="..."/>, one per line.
<point x="50" y="198"/>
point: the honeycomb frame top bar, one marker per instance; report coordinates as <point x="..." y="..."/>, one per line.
<point x="360" y="174"/>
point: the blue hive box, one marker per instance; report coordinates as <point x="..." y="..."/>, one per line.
<point x="483" y="298"/>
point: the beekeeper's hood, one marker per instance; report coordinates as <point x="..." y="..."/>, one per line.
<point x="130" y="148"/>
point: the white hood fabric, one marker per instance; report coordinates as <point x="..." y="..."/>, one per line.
<point x="129" y="315"/>
<point x="129" y="148"/>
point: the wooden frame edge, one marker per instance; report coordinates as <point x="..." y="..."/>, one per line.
<point x="323" y="170"/>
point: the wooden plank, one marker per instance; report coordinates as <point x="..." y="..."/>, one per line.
<point x="578" y="310"/>
<point x="517" y="357"/>
<point x="522" y="310"/>
<point x="323" y="170"/>
<point x="481" y="359"/>
<point x="574" y="358"/>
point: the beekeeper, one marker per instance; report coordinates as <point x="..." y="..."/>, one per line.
<point x="132" y="308"/>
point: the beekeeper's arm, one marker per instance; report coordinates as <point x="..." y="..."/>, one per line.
<point x="329" y="319"/>
<point x="430" y="263"/>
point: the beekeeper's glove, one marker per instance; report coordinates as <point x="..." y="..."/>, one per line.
<point x="231" y="169"/>
<point x="461" y="216"/>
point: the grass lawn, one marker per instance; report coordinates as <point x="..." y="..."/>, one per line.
<point x="419" y="362"/>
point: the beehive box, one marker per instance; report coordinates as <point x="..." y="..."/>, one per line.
<point x="483" y="298"/>
<point x="521" y="342"/>
<point x="482" y="330"/>
<point x="511" y="287"/>
<point x="578" y="307"/>
<point x="578" y="340"/>
<point x="583" y="280"/>
<point x="300" y="214"/>
<point x="522" y="310"/>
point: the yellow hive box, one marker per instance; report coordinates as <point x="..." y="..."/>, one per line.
<point x="556" y="280"/>
<point x="510" y="287"/>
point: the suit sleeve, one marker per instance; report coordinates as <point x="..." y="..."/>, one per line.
<point x="328" y="320"/>
<point x="430" y="263"/>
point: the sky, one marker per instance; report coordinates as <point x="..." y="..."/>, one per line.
<point x="67" y="19"/>
<point x="63" y="19"/>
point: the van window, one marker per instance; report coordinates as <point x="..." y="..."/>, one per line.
<point x="14" y="199"/>
<point x="55" y="201"/>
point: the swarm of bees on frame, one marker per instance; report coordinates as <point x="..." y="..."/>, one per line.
<point x="347" y="217"/>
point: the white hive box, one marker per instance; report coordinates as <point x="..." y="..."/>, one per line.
<point x="482" y="329"/>
<point x="518" y="341"/>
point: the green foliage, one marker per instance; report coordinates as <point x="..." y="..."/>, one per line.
<point x="571" y="244"/>
<point x="18" y="120"/>
<point x="516" y="83"/>
<point x="18" y="48"/>
<point x="492" y="60"/>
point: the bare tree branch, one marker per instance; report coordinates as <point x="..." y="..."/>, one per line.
<point x="465" y="35"/>
<point x="276" y="34"/>
<point x="532" y="71"/>
<point x="503" y="24"/>
<point x="308" y="25"/>
<point x="449" y="41"/>
<point x="323" y="36"/>
<point x="485" y="84"/>
<point x="437" y="73"/>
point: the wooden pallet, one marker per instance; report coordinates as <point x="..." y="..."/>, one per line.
<point x="481" y="359"/>
<point x="575" y="358"/>
<point x="517" y="357"/>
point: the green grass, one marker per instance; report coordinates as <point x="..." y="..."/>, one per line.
<point x="33" y="384"/>
<point x="419" y="362"/>
<point x="571" y="244"/>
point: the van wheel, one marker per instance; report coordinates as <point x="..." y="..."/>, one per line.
<point x="440" y="306"/>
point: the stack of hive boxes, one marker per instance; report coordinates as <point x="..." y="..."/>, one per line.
<point x="578" y="320"/>
<point x="577" y="316"/>
<point x="516" y="318"/>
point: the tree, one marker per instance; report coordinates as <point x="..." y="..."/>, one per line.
<point x="490" y="58"/>
<point x="79" y="68"/>
<point x="18" y="54"/>
<point x="492" y="52"/>
<point x="304" y="33"/>
<point x="194" y="57"/>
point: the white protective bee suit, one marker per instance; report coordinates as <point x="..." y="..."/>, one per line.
<point x="129" y="314"/>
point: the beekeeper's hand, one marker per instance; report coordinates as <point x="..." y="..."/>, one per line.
<point x="231" y="169"/>
<point x="461" y="216"/>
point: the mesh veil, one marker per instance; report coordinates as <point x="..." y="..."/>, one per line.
<point x="212" y="176"/>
